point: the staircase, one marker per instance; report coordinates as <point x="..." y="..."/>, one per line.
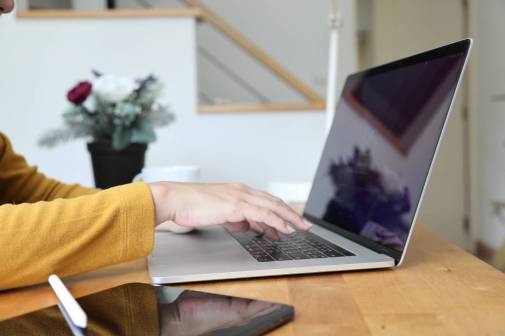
<point x="234" y="73"/>
<point x="298" y="95"/>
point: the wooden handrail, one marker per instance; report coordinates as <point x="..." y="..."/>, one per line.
<point x="106" y="14"/>
<point x="229" y="108"/>
<point x="255" y="51"/>
<point x="200" y="11"/>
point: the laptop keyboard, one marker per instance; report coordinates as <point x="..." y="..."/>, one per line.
<point x="297" y="246"/>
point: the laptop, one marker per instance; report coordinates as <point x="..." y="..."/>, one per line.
<point x="367" y="189"/>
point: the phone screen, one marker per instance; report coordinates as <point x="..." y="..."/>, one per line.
<point x="141" y="309"/>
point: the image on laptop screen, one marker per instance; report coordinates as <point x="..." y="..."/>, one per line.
<point x="380" y="148"/>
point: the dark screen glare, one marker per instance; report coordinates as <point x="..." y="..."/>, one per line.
<point x="380" y="148"/>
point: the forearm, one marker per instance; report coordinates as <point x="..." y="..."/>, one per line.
<point x="70" y="236"/>
<point x="22" y="183"/>
<point x="35" y="187"/>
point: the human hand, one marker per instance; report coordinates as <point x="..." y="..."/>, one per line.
<point x="172" y="227"/>
<point x="237" y="206"/>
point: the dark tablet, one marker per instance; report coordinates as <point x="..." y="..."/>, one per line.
<point x="140" y="309"/>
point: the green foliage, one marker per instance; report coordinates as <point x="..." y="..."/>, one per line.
<point x="131" y="120"/>
<point x="121" y="138"/>
<point x="143" y="133"/>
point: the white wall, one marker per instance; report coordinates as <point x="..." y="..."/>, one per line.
<point x="42" y="58"/>
<point x="44" y="4"/>
<point x="488" y="114"/>
<point x="89" y="4"/>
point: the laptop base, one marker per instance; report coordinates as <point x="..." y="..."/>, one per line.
<point x="212" y="254"/>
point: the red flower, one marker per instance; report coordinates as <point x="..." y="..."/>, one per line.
<point x="79" y="93"/>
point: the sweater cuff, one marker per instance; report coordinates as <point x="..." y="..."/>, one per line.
<point x="138" y="216"/>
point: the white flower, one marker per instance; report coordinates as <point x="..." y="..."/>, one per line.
<point x="391" y="181"/>
<point x="113" y="89"/>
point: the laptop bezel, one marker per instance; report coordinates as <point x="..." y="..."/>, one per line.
<point x="453" y="48"/>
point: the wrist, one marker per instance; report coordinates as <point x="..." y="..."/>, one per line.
<point x="161" y="193"/>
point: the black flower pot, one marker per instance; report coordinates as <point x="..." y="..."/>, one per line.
<point x="112" y="167"/>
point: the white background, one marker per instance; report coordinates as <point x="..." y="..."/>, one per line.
<point x="42" y="59"/>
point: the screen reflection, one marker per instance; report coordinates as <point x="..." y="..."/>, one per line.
<point x="380" y="148"/>
<point x="140" y="309"/>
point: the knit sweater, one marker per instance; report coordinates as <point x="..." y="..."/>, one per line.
<point x="49" y="227"/>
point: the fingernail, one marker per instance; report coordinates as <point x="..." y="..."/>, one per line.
<point x="309" y="225"/>
<point x="290" y="230"/>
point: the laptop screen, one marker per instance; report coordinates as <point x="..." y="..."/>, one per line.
<point x="380" y="148"/>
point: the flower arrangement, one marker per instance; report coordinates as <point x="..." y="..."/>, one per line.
<point x="371" y="200"/>
<point x="113" y="109"/>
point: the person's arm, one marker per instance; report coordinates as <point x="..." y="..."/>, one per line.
<point x="70" y="236"/>
<point x="21" y="183"/>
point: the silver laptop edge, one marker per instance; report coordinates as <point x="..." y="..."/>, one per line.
<point x="402" y="259"/>
<point x="212" y="254"/>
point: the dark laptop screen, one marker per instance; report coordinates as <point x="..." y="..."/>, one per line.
<point x="381" y="145"/>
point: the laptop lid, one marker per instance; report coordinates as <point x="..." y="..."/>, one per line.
<point x="381" y="147"/>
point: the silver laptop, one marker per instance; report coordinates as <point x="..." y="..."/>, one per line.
<point x="367" y="189"/>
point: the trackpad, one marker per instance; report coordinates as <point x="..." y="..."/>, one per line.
<point x="199" y="247"/>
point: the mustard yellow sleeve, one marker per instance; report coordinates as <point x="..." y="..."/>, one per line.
<point x="70" y="236"/>
<point x="21" y="183"/>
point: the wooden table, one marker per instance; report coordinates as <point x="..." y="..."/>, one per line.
<point x="440" y="290"/>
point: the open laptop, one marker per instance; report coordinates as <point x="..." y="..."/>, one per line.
<point x="367" y="189"/>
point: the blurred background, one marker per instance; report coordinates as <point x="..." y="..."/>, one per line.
<point x="247" y="83"/>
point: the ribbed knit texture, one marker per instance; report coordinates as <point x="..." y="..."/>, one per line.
<point x="48" y="227"/>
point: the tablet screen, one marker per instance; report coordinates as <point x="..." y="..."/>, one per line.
<point x="141" y="309"/>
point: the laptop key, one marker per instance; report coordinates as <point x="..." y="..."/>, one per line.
<point x="332" y="254"/>
<point x="299" y="256"/>
<point x="298" y="246"/>
<point x="281" y="257"/>
<point x="264" y="258"/>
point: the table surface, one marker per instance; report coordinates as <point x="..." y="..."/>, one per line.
<point x="440" y="290"/>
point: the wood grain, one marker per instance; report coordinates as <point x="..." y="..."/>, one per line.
<point x="232" y="108"/>
<point x="108" y="14"/>
<point x="20" y="301"/>
<point x="440" y="290"/>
